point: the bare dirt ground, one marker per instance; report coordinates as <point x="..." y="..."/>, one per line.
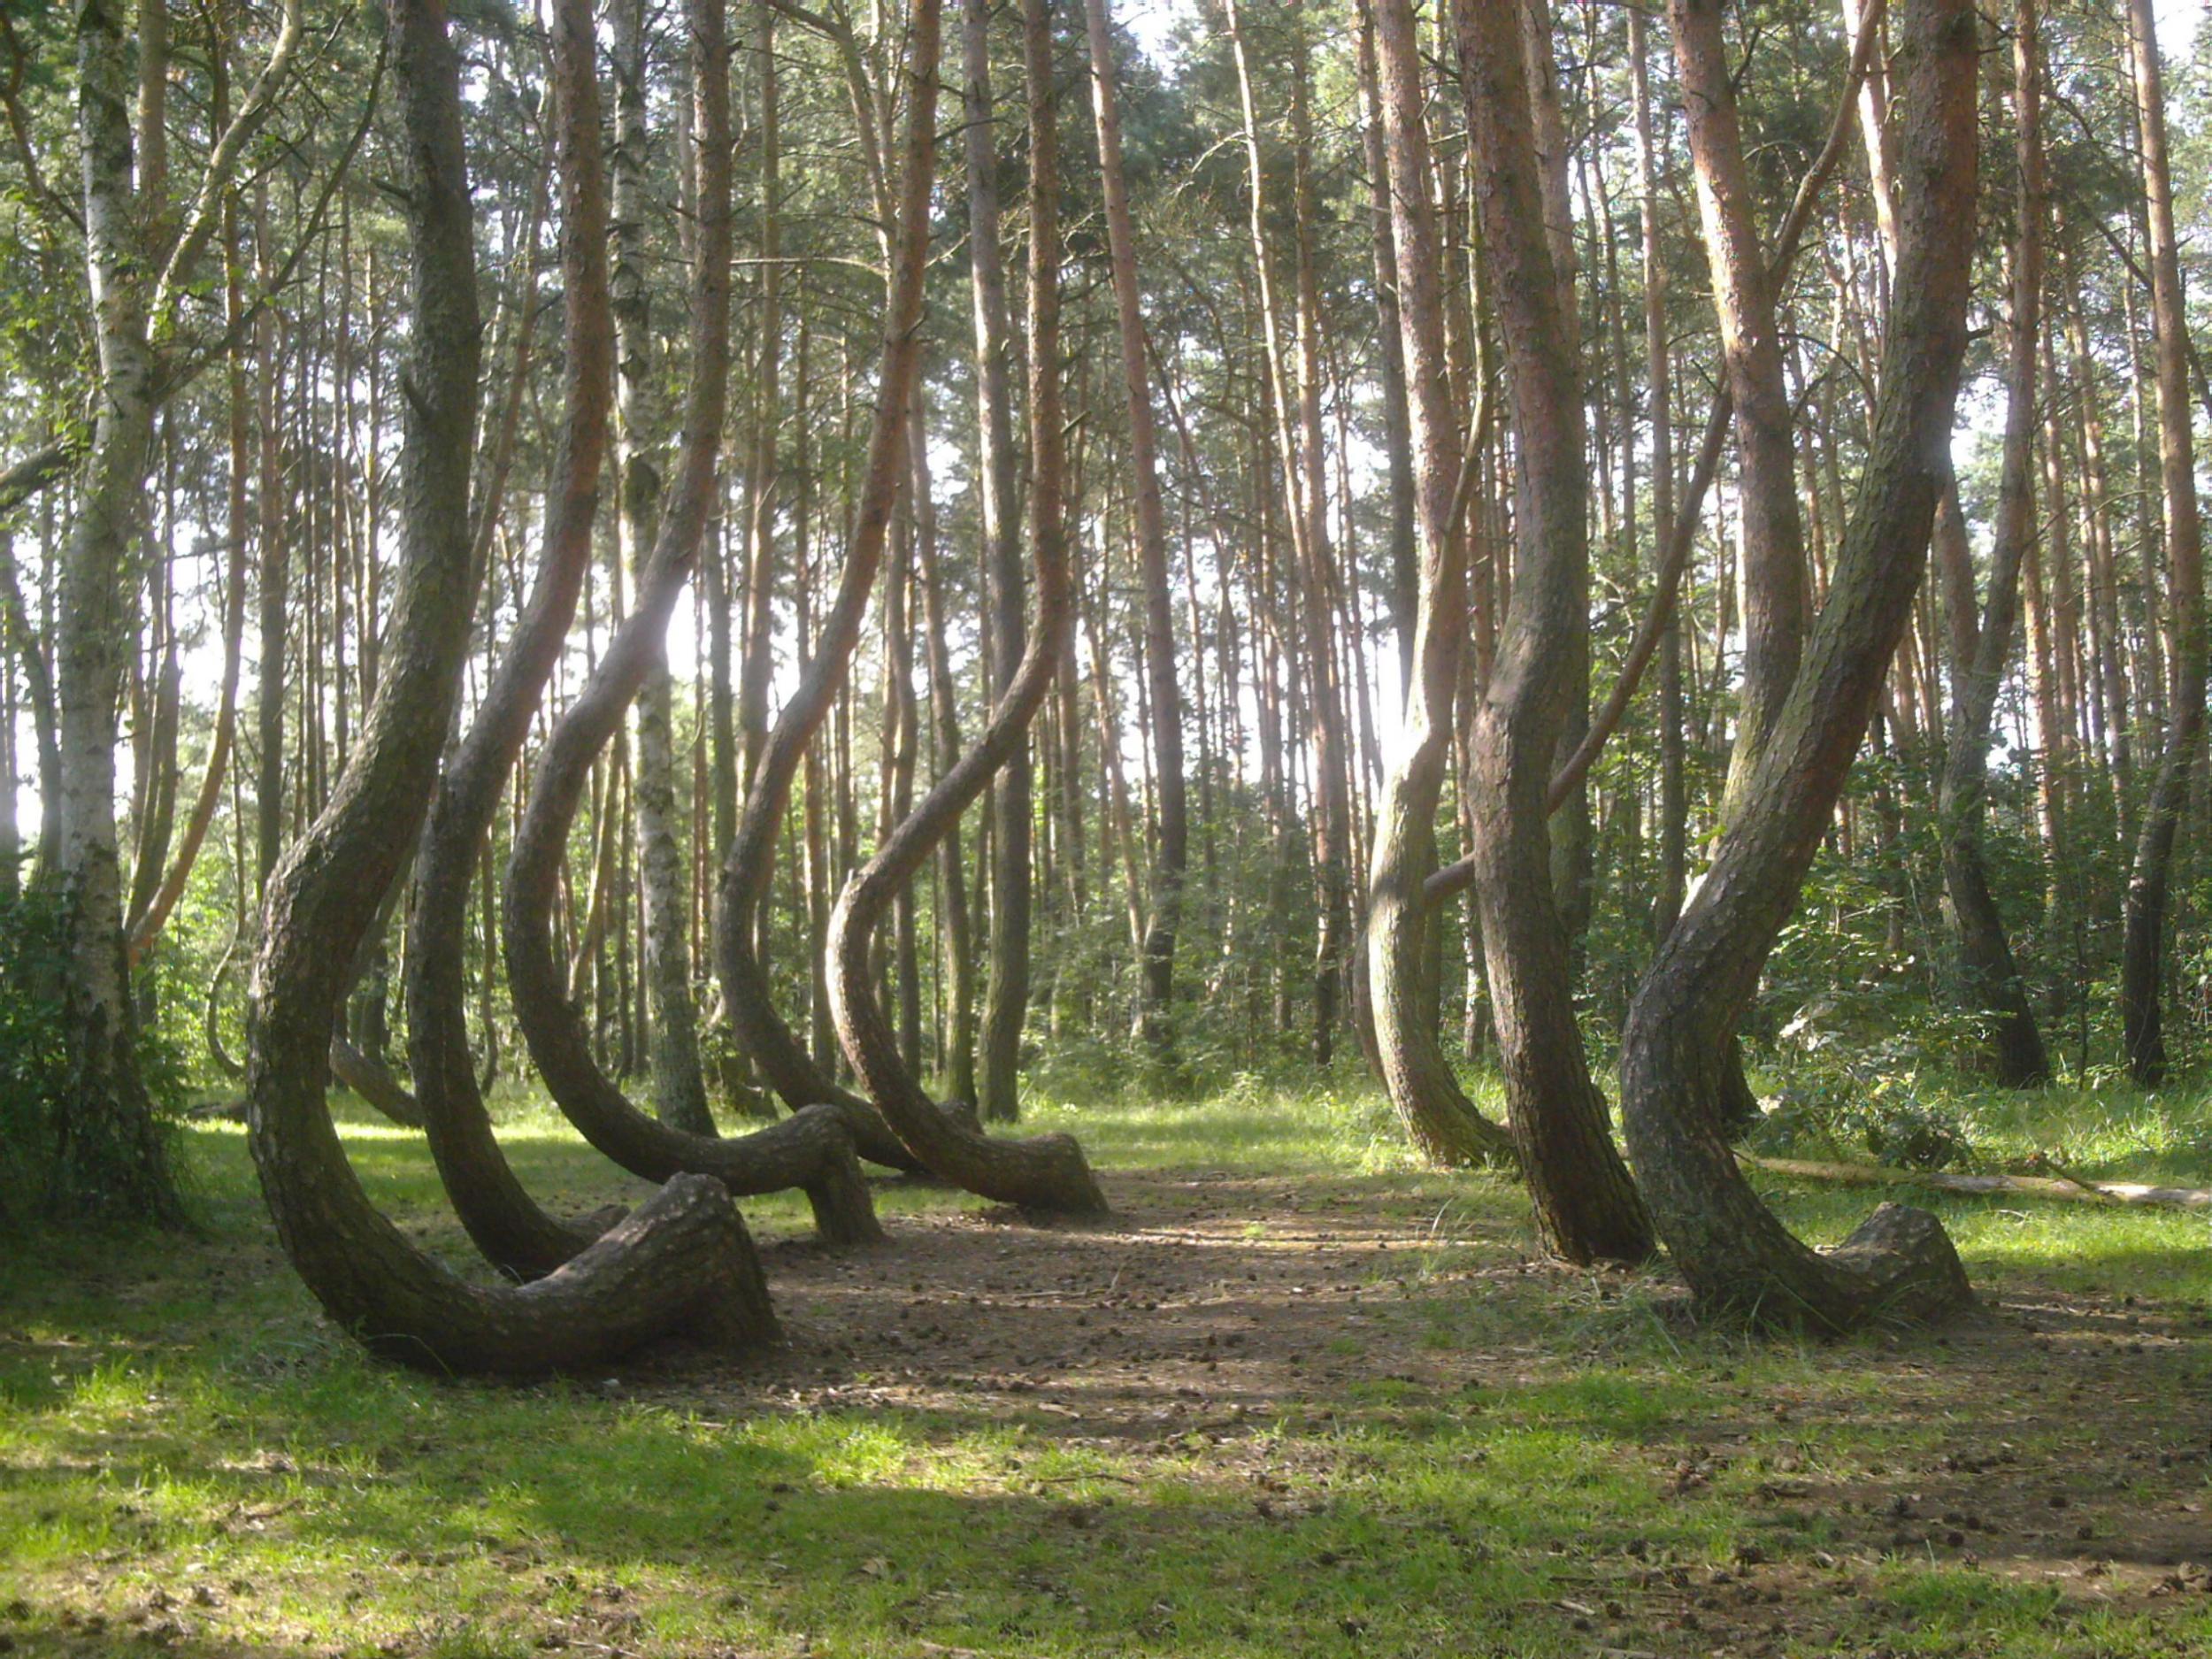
<point x="1217" y="1305"/>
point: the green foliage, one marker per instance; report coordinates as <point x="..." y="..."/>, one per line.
<point x="1882" y="1115"/>
<point x="33" y="1070"/>
<point x="35" y="1098"/>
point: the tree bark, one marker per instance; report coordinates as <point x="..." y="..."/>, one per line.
<point x="1775" y="600"/>
<point x="1170" y="847"/>
<point x="1438" y="1116"/>
<point x="513" y="1232"/>
<point x="2143" y="950"/>
<point x="112" y="1156"/>
<point x="1006" y="992"/>
<point x="1735" y="1254"/>
<point x="1586" y="1205"/>
<point x="683" y="1260"/>
<point x="1992" y="976"/>
<point x="1050" y="1172"/>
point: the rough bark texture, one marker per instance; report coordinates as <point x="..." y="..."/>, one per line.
<point x="506" y="1224"/>
<point x="1732" y="1250"/>
<point x="1773" y="534"/>
<point x="1587" y="1204"/>
<point x="1438" y="1116"/>
<point x="1047" y="1173"/>
<point x="683" y="1260"/>
<point x="812" y="1150"/>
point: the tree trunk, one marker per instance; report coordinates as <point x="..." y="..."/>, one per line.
<point x="2143" y="951"/>
<point x="507" y="1225"/>
<point x="1674" y="806"/>
<point x="1171" y="846"/>
<point x="1443" y="1124"/>
<point x="1586" y="1205"/>
<point x="1993" y="978"/>
<point x="1048" y="1173"/>
<point x="112" y="1155"/>
<point x="1732" y="1250"/>
<point x="1006" y="994"/>
<point x="683" y="1260"/>
<point x="1775" y="601"/>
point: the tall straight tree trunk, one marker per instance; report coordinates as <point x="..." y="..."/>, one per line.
<point x="1006" y="996"/>
<point x="2143" y="951"/>
<point x="1586" y="1205"/>
<point x="1441" y="1121"/>
<point x="1674" y="805"/>
<point x="110" y="1157"/>
<point x="956" y="924"/>
<point x="680" y="1090"/>
<point x="1992" y="976"/>
<point x="1172" y="843"/>
<point x="1775" y="601"/>
<point x="1403" y="539"/>
<point x="1304" y="463"/>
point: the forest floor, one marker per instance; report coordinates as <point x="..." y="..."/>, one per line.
<point x="1296" y="1398"/>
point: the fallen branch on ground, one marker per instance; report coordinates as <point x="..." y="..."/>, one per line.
<point x="2027" y="1185"/>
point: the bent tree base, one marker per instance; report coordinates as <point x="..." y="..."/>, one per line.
<point x="682" y="1263"/>
<point x="1738" y="1258"/>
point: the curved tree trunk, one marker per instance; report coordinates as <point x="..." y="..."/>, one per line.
<point x="1992" y="976"/>
<point x="813" y="1150"/>
<point x="368" y="1077"/>
<point x="1050" y="1172"/>
<point x="506" y="1225"/>
<point x="1587" y="1204"/>
<point x="746" y="993"/>
<point x="1733" y="1251"/>
<point x="1442" y="1122"/>
<point x="683" y="1260"/>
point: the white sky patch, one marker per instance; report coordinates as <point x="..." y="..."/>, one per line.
<point x="2176" y="21"/>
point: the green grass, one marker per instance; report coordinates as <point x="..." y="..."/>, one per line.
<point x="1495" y="1456"/>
